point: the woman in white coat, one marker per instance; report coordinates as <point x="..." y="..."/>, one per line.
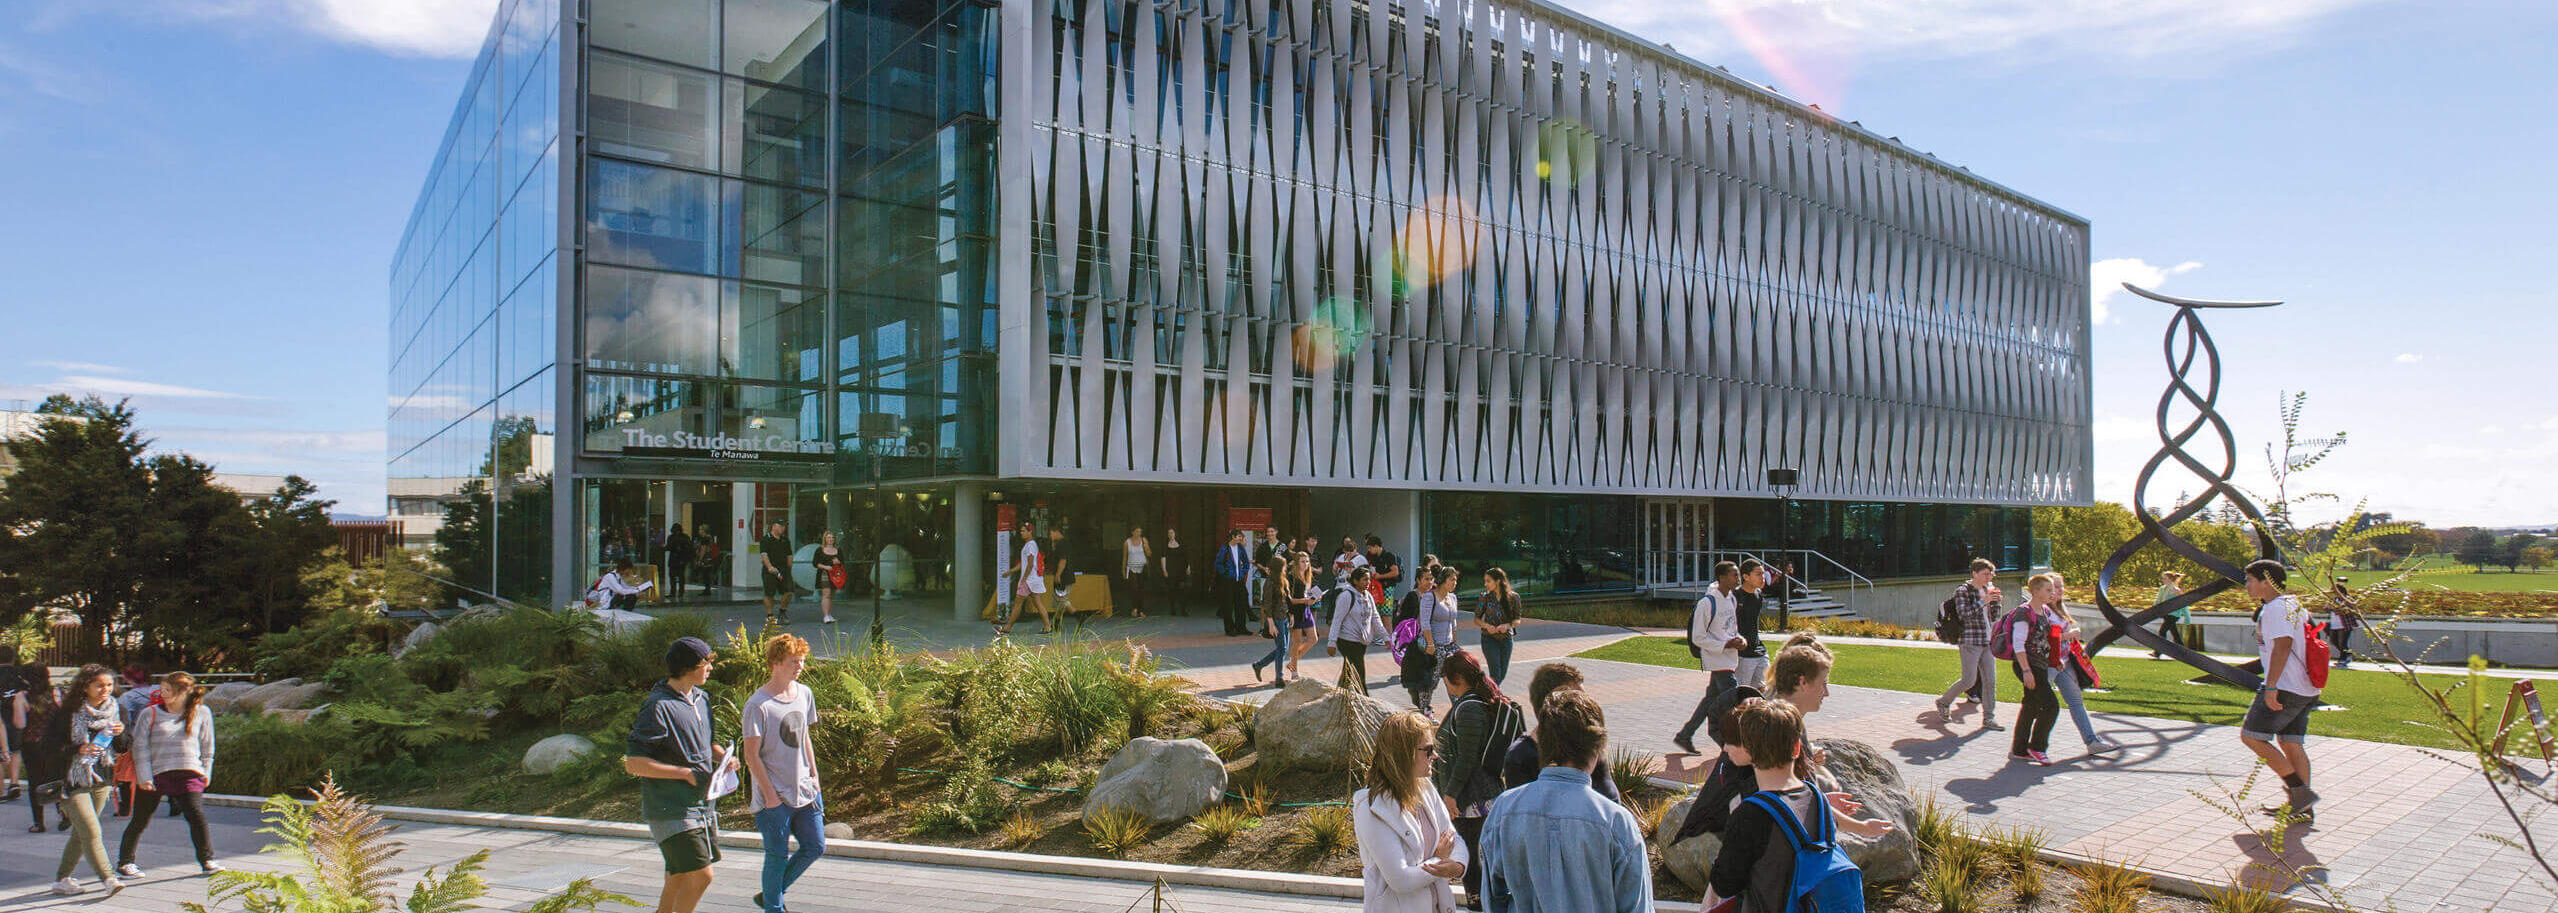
<point x="1408" y="849"/>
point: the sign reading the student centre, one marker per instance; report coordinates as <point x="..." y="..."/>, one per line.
<point x="640" y="442"/>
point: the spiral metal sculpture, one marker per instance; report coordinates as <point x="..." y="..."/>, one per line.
<point x="2188" y="347"/>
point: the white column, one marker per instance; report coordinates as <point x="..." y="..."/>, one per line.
<point x="745" y="568"/>
<point x="968" y="546"/>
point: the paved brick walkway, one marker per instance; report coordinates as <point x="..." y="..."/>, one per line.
<point x="528" y="864"/>
<point x="2397" y="825"/>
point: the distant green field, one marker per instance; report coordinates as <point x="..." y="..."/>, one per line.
<point x="2467" y="580"/>
<point x="2377" y="706"/>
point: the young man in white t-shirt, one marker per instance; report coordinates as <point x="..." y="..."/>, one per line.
<point x="2278" y="719"/>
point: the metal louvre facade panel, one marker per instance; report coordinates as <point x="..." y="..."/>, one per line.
<point x="1478" y="246"/>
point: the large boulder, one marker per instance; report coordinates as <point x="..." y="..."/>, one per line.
<point x="841" y="831"/>
<point x="1874" y="780"/>
<point x="1860" y="771"/>
<point x="418" y="636"/>
<point x="1312" y="725"/>
<point x="223" y="696"/>
<point x="551" y="754"/>
<point x="1163" y="781"/>
<point x="289" y="694"/>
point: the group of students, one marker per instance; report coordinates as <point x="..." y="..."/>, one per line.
<point x="1421" y="633"/>
<point x="684" y="772"/>
<point x="86" y="750"/>
<point x="2043" y="647"/>
<point x="1524" y="821"/>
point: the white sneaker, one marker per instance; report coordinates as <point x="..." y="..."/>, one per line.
<point x="67" y="888"/>
<point x="214" y="868"/>
<point x="110" y="885"/>
<point x="129" y="870"/>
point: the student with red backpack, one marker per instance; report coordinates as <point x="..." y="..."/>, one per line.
<point x="2293" y="647"/>
<point x="1780" y="846"/>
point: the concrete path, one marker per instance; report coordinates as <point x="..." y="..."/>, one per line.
<point x="2397" y="825"/>
<point x="526" y="865"/>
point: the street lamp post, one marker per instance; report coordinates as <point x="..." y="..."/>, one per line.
<point x="1783" y="480"/>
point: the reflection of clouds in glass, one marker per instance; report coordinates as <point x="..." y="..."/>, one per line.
<point x="1437" y="241"/>
<point x="649" y="322"/>
<point x="652" y="217"/>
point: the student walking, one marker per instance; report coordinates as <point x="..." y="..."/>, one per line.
<point x="1714" y="638"/>
<point x="2342" y="619"/>
<point x="1408" y="846"/>
<point x="671" y="751"/>
<point x="2277" y="723"/>
<point x="44" y="761"/>
<point x="1138" y="556"/>
<point x="1385" y="570"/>
<point x="2035" y="655"/>
<point x="1748" y="600"/>
<point x="173" y="751"/>
<point x="1353" y="625"/>
<point x="1433" y="611"/>
<point x="1554" y="845"/>
<point x="679" y="559"/>
<point x="13" y="726"/>
<point x="1475" y="742"/>
<point x="1520" y="766"/>
<point x="83" y="736"/>
<point x="787" y="803"/>
<point x="826" y="563"/>
<point x="1976" y="604"/>
<point x="1173" y="563"/>
<point x="1279" y="603"/>
<point x="706" y="558"/>
<point x="1496" y="619"/>
<point x="1030" y="585"/>
<point x="1234" y="568"/>
<point x="2070" y="657"/>
<point x="1763" y="838"/>
<point x="774" y="556"/>
<point x="1302" y="596"/>
<point x="2171" y="584"/>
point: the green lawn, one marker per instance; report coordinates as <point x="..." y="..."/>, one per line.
<point x="2466" y="579"/>
<point x="2378" y="706"/>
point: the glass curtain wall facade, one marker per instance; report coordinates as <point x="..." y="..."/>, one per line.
<point x="474" y="297"/>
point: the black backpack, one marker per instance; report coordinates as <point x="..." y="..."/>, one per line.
<point x="1503" y="718"/>
<point x="1949" y="620"/>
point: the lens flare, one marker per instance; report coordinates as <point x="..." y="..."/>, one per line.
<point x="1567" y="152"/>
<point x="1339" y="327"/>
<point x="1438" y="241"/>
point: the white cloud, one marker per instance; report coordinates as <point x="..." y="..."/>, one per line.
<point x="2409" y="358"/>
<point x="125" y="386"/>
<point x="81" y="367"/>
<point x="431" y="28"/>
<point x="2008" y="31"/>
<point x="2120" y="429"/>
<point x="2491" y="429"/>
<point x="424" y="28"/>
<point x="2106" y="278"/>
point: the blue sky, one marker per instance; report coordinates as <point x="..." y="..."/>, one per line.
<point x="204" y="195"/>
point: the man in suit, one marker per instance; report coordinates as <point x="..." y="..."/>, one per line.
<point x="1234" y="568"/>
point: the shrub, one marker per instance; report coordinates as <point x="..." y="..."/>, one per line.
<point x="1078" y="698"/>
<point x="1256" y="800"/>
<point x="2243" y="899"/>
<point x="1649" y="814"/>
<point x="1951" y="882"/>
<point x="1223" y="822"/>
<point x="2108" y="888"/>
<point x="2021" y="850"/>
<point x="265" y="755"/>
<point x="1050" y="773"/>
<point x="1938" y="826"/>
<point x="1022" y="828"/>
<point x="1116" y="833"/>
<point x="1325" y="830"/>
<point x="1631" y="770"/>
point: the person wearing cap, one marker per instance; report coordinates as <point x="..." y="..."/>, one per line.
<point x="671" y="751"/>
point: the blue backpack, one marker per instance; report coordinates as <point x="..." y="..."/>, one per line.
<point x="1824" y="880"/>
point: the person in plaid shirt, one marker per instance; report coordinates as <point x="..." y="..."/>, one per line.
<point x="1977" y="602"/>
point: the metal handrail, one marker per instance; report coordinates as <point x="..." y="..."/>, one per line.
<point x="1809" y="558"/>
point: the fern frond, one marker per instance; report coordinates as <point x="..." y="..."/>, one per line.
<point x="453" y="890"/>
<point x="580" y="895"/>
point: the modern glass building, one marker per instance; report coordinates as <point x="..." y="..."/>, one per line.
<point x="1492" y="280"/>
